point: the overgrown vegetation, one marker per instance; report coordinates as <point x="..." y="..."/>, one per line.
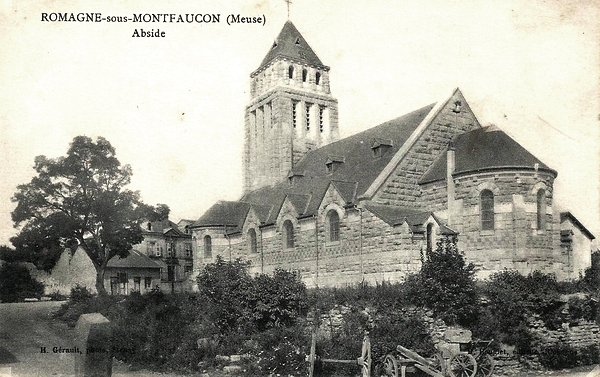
<point x="17" y="284"/>
<point x="445" y="284"/>
<point x="269" y="318"/>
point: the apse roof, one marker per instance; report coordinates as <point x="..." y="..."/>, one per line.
<point x="484" y="149"/>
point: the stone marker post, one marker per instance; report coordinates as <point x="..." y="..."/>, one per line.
<point x="93" y="340"/>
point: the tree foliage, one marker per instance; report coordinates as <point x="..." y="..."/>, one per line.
<point x="80" y="199"/>
<point x="244" y="304"/>
<point x="445" y="284"/>
<point x="16" y="283"/>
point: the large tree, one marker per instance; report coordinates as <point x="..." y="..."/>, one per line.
<point x="81" y="199"/>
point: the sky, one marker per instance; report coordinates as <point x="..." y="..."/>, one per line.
<point x="173" y="107"/>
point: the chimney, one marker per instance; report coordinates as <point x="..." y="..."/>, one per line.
<point x="450" y="167"/>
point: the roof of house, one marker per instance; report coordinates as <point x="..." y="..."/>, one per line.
<point x="569" y="216"/>
<point x="290" y="44"/>
<point x="164" y="227"/>
<point x="135" y="259"/>
<point x="484" y="149"/>
<point x="351" y="178"/>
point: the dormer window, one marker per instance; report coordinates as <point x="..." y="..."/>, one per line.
<point x="294" y="177"/>
<point x="298" y="41"/>
<point x="274" y="45"/>
<point x="333" y="162"/>
<point x="380" y="146"/>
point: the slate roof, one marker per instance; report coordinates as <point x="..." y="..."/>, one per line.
<point x="290" y="44"/>
<point x="569" y="216"/>
<point x="135" y="259"/>
<point x="226" y="214"/>
<point x="164" y="227"/>
<point x="394" y="216"/>
<point x="481" y="150"/>
<point x="351" y="178"/>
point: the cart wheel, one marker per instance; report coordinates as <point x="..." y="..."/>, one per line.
<point x="485" y="366"/>
<point x="462" y="365"/>
<point x="440" y="363"/>
<point x="390" y="366"/>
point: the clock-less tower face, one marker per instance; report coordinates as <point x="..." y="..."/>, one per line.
<point x="291" y="110"/>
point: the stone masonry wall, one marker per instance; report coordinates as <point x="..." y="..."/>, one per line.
<point x="515" y="242"/>
<point x="401" y="187"/>
<point x="385" y="254"/>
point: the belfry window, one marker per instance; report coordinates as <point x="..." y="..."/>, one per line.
<point x="288" y="234"/>
<point x="318" y="78"/>
<point x="294" y="113"/>
<point x="333" y="220"/>
<point x="252" y="241"/>
<point x="541" y="209"/>
<point x="308" y="106"/>
<point x="207" y="247"/>
<point x="487" y="210"/>
<point x="304" y="75"/>
<point x="321" y="120"/>
<point x="291" y="72"/>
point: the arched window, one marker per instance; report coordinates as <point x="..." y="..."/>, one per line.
<point x="487" y="210"/>
<point x="333" y="219"/>
<point x="318" y="78"/>
<point x="207" y="247"/>
<point x="252" y="241"/>
<point x="541" y="209"/>
<point x="430" y="240"/>
<point x="304" y="75"/>
<point x="288" y="234"/>
<point x="291" y="72"/>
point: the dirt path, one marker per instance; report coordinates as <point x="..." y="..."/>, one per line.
<point x="27" y="330"/>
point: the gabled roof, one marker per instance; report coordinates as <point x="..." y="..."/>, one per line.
<point x="351" y="178"/>
<point x="482" y="150"/>
<point x="135" y="259"/>
<point x="569" y="216"/>
<point x="291" y="45"/>
<point x="415" y="219"/>
<point x="164" y="227"/>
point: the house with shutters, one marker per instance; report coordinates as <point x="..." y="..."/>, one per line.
<point x="171" y="248"/>
<point x="370" y="206"/>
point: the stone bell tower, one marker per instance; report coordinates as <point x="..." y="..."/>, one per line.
<point x="291" y="110"/>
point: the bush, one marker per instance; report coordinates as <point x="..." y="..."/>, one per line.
<point x="560" y="355"/>
<point x="446" y="285"/>
<point x="239" y="303"/>
<point x="17" y="284"/>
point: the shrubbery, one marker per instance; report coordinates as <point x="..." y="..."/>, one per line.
<point x="446" y="285"/>
<point x="266" y="317"/>
<point x="17" y="284"/>
<point x="560" y="356"/>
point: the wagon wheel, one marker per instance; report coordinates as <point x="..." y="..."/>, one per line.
<point x="390" y="366"/>
<point x="485" y="366"/>
<point x="462" y="365"/>
<point x="439" y="363"/>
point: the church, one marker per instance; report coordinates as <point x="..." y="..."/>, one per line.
<point x="369" y="207"/>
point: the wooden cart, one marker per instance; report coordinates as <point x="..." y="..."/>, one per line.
<point x="458" y="356"/>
